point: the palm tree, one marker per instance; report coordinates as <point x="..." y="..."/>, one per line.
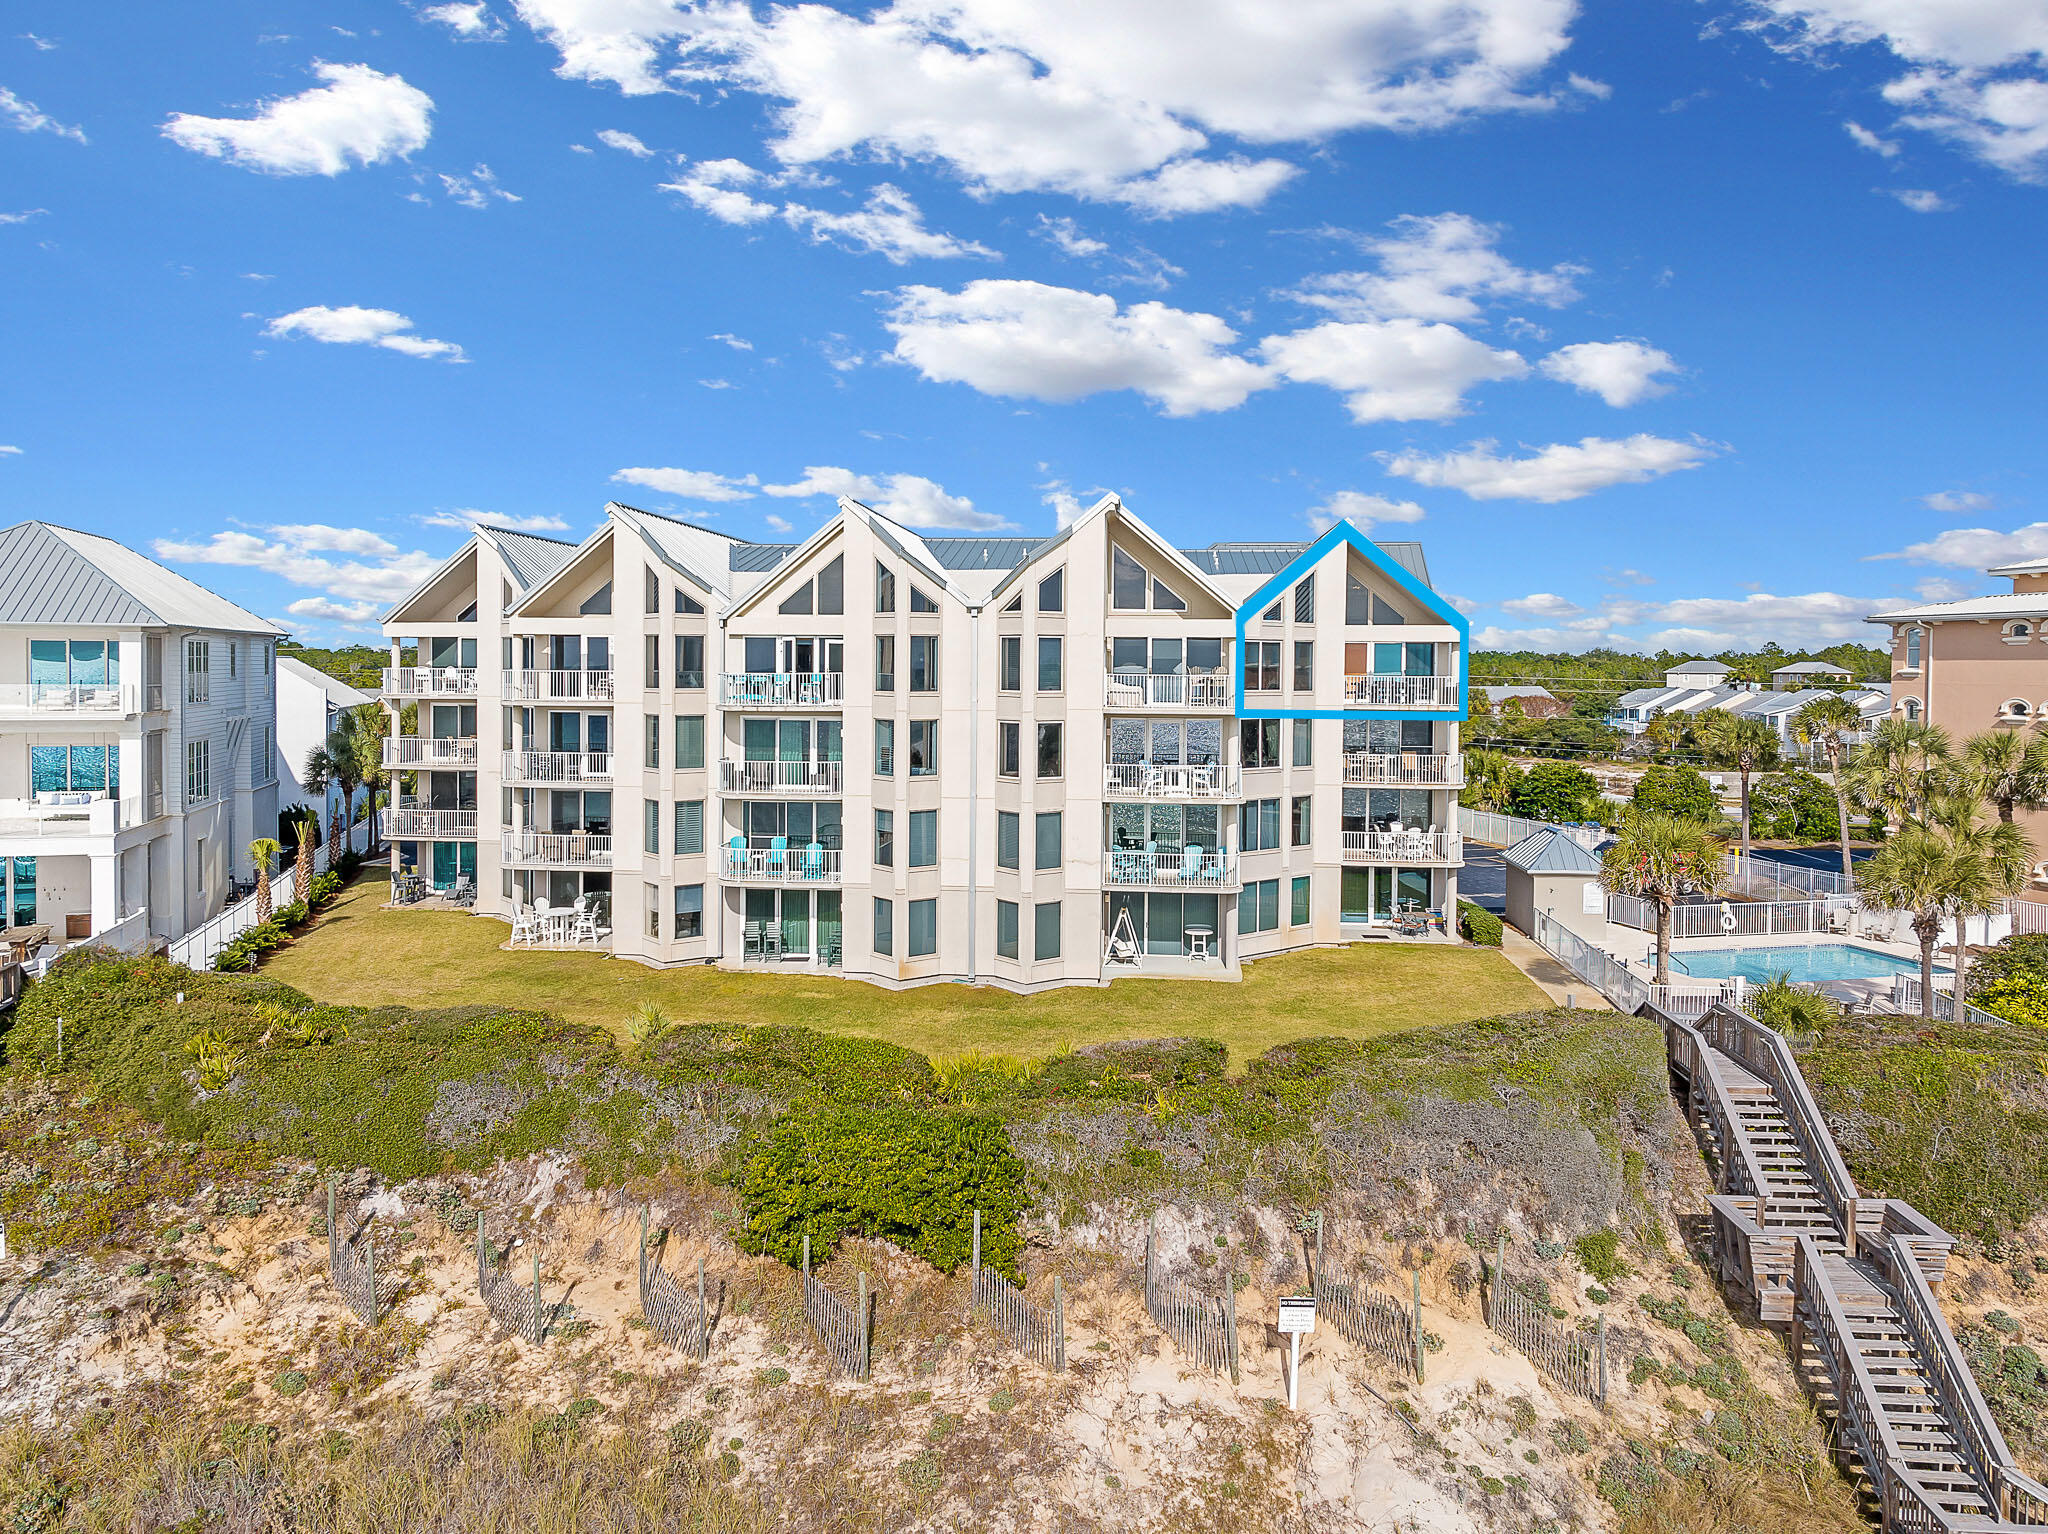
<point x="1489" y="779"/>
<point x="1657" y="858"/>
<point x="262" y="850"/>
<point x="1824" y="722"/>
<point x="335" y="763"/>
<point x="1948" y="871"/>
<point x="369" y="724"/>
<point x="1741" y="742"/>
<point x="302" y="870"/>
<point x="1668" y="732"/>
<point x="2011" y="770"/>
<point x="1905" y="765"/>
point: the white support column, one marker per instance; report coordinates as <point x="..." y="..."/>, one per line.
<point x="106" y="891"/>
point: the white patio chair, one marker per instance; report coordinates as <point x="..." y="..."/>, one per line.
<point x="525" y="926"/>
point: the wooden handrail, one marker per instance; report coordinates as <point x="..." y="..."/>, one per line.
<point x="1764" y="1051"/>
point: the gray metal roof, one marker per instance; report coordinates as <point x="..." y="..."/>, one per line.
<point x="1551" y="852"/>
<point x="532" y="559"/>
<point x="758" y="556"/>
<point x="1272" y="558"/>
<point x="1811" y="668"/>
<point x="44" y="580"/>
<point x="51" y="574"/>
<point x="981" y="553"/>
<point x="1699" y="668"/>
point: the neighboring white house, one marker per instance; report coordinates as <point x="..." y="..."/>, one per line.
<point x="309" y="705"/>
<point x="137" y="740"/>
<point x="1026" y="762"/>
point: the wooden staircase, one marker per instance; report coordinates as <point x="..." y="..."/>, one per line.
<point x="1852" y="1277"/>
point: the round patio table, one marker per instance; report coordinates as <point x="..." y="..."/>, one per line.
<point x="1198" y="941"/>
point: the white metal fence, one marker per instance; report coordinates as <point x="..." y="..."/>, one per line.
<point x="2028" y="916"/>
<point x="1773" y="880"/>
<point x="1505" y="830"/>
<point x="1730" y="919"/>
<point x="1906" y="997"/>
<point x="1625" y="987"/>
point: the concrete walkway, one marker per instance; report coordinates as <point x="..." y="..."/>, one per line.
<point x="1551" y="977"/>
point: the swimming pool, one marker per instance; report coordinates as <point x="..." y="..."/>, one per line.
<point x="1806" y="961"/>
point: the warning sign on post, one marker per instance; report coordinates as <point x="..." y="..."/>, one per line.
<point x="1297" y="1313"/>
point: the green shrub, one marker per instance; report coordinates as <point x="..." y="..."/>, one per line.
<point x="1554" y="791"/>
<point x="324" y="887"/>
<point x="2023" y="955"/>
<point x="1675" y="790"/>
<point x="289" y="1383"/>
<point x="909" y="1177"/>
<point x="1600" y="1255"/>
<point x="1479" y="925"/>
<point x="2018" y="998"/>
<point x="1791" y="1009"/>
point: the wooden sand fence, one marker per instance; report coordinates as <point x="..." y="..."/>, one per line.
<point x="1202" y="1327"/>
<point x="672" y="1313"/>
<point x="1366" y="1318"/>
<point x="352" y="1263"/>
<point x="517" y="1308"/>
<point x="1041" y="1333"/>
<point x="846" y="1330"/>
<point x="1571" y="1357"/>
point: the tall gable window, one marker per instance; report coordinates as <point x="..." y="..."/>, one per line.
<point x="885" y="588"/>
<point x="1362" y="606"/>
<point x="920" y="603"/>
<point x="1052" y="593"/>
<point x="1128" y="581"/>
<point x="825" y="593"/>
<point x="685" y="603"/>
<point x="1305" y="600"/>
<point x="598" y="603"/>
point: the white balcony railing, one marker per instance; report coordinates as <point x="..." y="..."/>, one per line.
<point x="430" y="681"/>
<point x="1168" y="780"/>
<point x="564" y="849"/>
<point x="1377" y="691"/>
<point x="412" y="821"/>
<point x="558" y="686"/>
<point x="1180" y="868"/>
<point x="781" y="689"/>
<point x="84" y="816"/>
<point x="558" y="766"/>
<point x="1409" y="768"/>
<point x="65" y="700"/>
<point x="1180" y="689"/>
<point x="778" y="777"/>
<point x="430" y="751"/>
<point x="1402" y="848"/>
<point x="812" y="864"/>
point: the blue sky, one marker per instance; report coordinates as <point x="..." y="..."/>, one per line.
<point x="1686" y="322"/>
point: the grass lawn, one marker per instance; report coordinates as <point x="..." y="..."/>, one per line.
<point x="357" y="953"/>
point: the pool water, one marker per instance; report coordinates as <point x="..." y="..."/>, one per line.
<point x="1812" y="961"/>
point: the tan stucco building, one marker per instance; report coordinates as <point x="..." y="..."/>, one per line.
<point x="1980" y="663"/>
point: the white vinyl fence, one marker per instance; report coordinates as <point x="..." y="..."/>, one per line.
<point x="2027" y="916"/>
<point x="1505" y="830"/>
<point x="1730" y="919"/>
<point x="198" y="948"/>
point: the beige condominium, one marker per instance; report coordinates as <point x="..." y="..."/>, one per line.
<point x="1980" y="663"/>
<point x="899" y="758"/>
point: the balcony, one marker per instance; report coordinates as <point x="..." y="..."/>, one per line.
<point x="811" y="864"/>
<point x="82" y="814"/>
<point x="416" y="751"/>
<point x="1391" y="691"/>
<point x="430" y="681"/>
<point x="778" y="777"/>
<point x="1205" y="691"/>
<point x="60" y="700"/>
<point x="1169" y="780"/>
<point x="557" y="766"/>
<point x="1405" y="769"/>
<point x="781" y="689"/>
<point x="556" y="849"/>
<point x="413" y="821"/>
<point x="1181" y="868"/>
<point x="558" y="686"/>
<point x="1406" y="849"/>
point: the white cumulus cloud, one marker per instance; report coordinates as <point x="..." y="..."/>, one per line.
<point x="352" y="325"/>
<point x="1875" y="143"/>
<point x="1921" y="200"/>
<point x="359" y="116"/>
<point x="1542" y="604"/>
<point x="690" y="484"/>
<point x="1956" y="501"/>
<point x="1437" y="268"/>
<point x="299" y="554"/>
<point x="889" y="225"/>
<point x="1110" y="99"/>
<point x="626" y="143"/>
<point x="1392" y="370"/>
<point x="470" y="20"/>
<point x="910" y="499"/>
<point x="466" y="517"/>
<point x="29" y="118"/>
<point x="1620" y="372"/>
<point x="1559" y="472"/>
<point x="332" y="611"/>
<point x="1973" y="69"/>
<point x="1977" y="548"/>
<point x="1030" y="340"/>
<point x="478" y="189"/>
<point x="1361" y="510"/>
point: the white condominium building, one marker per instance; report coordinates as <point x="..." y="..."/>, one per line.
<point x="137" y="741"/>
<point x="1023" y="762"/>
